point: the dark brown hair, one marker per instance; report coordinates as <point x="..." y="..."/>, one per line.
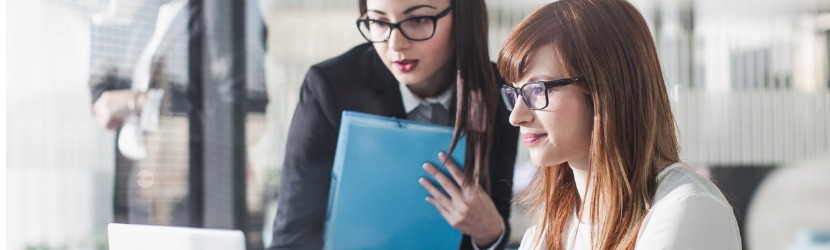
<point x="609" y="44"/>
<point x="476" y="94"/>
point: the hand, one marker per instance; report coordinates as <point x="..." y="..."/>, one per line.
<point x="113" y="106"/>
<point x="468" y="208"/>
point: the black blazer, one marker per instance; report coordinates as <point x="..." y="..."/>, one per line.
<point x="356" y="81"/>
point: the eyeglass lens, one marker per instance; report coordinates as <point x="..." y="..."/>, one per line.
<point x="418" y="28"/>
<point x="534" y="95"/>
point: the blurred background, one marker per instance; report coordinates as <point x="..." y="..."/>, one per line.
<point x="749" y="83"/>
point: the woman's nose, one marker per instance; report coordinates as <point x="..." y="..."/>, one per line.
<point x="397" y="41"/>
<point x="521" y="113"/>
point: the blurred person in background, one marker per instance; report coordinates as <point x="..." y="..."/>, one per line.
<point x="588" y="95"/>
<point x="132" y="103"/>
<point x="426" y="60"/>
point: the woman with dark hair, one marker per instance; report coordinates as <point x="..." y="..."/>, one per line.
<point x="426" y="60"/>
<point x="588" y="95"/>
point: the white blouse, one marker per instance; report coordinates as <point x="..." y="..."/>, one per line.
<point x="689" y="212"/>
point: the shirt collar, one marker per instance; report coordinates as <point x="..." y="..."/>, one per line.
<point x="411" y="101"/>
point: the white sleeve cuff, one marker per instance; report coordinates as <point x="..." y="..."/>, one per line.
<point x="492" y="246"/>
<point x="151" y="110"/>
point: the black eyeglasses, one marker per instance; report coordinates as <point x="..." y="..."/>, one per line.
<point x="534" y="94"/>
<point x="416" y="28"/>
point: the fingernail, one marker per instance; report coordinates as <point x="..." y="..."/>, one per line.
<point x="425" y="166"/>
<point x="441" y="154"/>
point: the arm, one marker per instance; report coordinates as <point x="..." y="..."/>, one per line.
<point x="99" y="84"/>
<point x="306" y="175"/>
<point x="104" y="82"/>
<point x="113" y="106"/>
<point x="113" y="101"/>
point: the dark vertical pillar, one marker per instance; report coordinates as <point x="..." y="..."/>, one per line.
<point x="195" y="196"/>
<point x="224" y="114"/>
<point x="224" y="91"/>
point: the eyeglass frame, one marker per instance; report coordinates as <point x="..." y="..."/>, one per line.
<point x="548" y="84"/>
<point x="393" y="26"/>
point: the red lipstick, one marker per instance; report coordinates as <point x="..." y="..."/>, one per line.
<point x="406" y="66"/>
<point x="531" y="139"/>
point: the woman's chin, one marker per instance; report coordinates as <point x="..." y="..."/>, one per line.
<point x="407" y="78"/>
<point x="541" y="159"/>
<point x="540" y="162"/>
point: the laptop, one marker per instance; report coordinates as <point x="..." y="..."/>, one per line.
<point x="135" y="237"/>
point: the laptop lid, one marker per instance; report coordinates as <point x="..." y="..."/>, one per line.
<point x="134" y="237"/>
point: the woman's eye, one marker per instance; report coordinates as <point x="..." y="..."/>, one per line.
<point x="376" y="24"/>
<point x="419" y="20"/>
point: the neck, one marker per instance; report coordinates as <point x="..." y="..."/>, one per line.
<point x="580" y="170"/>
<point x="433" y="85"/>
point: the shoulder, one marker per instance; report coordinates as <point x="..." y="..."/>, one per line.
<point x="689" y="212"/>
<point x="360" y="53"/>
<point x="357" y="70"/>
<point x="677" y="182"/>
<point x="356" y="60"/>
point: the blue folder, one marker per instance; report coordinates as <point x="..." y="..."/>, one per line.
<point x="375" y="200"/>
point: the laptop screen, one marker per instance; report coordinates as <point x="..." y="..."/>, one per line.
<point x="134" y="237"/>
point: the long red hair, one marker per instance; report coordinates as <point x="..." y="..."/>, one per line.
<point x="607" y="42"/>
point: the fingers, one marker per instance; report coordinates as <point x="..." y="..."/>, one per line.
<point x="436" y="198"/>
<point x="466" y="208"/>
<point x="446" y="211"/>
<point x="455" y="171"/>
<point x="441" y="202"/>
<point x="443" y="180"/>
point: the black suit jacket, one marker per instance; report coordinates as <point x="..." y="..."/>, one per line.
<point x="356" y="81"/>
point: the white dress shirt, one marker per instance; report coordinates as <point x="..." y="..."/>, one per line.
<point x="416" y="106"/>
<point x="689" y="212"/>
